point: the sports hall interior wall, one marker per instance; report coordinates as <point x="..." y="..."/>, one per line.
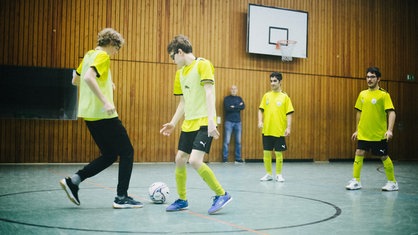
<point x="344" y="38"/>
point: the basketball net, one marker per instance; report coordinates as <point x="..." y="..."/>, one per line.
<point x="286" y="48"/>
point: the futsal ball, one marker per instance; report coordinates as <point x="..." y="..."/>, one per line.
<point x="158" y="192"/>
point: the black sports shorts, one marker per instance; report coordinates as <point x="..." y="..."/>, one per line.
<point x="198" y="140"/>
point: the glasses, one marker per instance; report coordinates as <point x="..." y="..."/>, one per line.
<point x="373" y="76"/>
<point x="172" y="55"/>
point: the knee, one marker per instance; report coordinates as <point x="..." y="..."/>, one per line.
<point x="181" y="158"/>
<point x="195" y="163"/>
<point x="128" y="154"/>
<point x="360" y="152"/>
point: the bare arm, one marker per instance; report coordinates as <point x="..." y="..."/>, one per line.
<point x="90" y="79"/>
<point x="289" y="125"/>
<point x="210" y="105"/>
<point x="391" y="123"/>
<point x="169" y="127"/>
<point x="358" y="115"/>
<point x="260" y="118"/>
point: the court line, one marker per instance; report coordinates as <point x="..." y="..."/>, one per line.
<point x="242" y="228"/>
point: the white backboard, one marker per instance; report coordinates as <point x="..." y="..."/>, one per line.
<point x="267" y="25"/>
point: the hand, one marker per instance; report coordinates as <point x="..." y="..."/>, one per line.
<point x="167" y="129"/>
<point x="388" y="135"/>
<point x="260" y="125"/>
<point x="212" y="131"/>
<point x="109" y="108"/>
<point x="287" y="132"/>
<point x="354" y="136"/>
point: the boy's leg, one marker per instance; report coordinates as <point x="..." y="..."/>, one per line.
<point x="181" y="178"/>
<point x="357" y="166"/>
<point x="196" y="161"/>
<point x="279" y="163"/>
<point x="267" y="160"/>
<point x="181" y="174"/>
<point x="99" y="130"/>
<point x="125" y="151"/>
<point x="389" y="169"/>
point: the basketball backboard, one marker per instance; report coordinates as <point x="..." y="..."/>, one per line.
<point x="268" y="25"/>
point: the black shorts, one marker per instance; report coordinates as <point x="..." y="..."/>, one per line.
<point x="377" y="148"/>
<point x="198" y="140"/>
<point x="271" y="143"/>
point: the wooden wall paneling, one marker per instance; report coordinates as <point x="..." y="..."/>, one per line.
<point x="345" y="37"/>
<point x="405" y="97"/>
<point x="4" y="27"/>
<point x="397" y="143"/>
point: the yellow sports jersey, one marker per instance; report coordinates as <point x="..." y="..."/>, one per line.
<point x="189" y="82"/>
<point x="373" y="105"/>
<point x="90" y="107"/>
<point x="275" y="106"/>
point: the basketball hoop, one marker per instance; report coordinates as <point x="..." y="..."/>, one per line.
<point x="286" y="48"/>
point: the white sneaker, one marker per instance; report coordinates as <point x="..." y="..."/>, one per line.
<point x="353" y="185"/>
<point x="390" y="186"/>
<point x="267" y="177"/>
<point x="279" y="178"/>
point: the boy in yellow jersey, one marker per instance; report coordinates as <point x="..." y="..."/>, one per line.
<point x="194" y="83"/>
<point x="275" y="119"/>
<point x="375" y="121"/>
<point x="97" y="108"/>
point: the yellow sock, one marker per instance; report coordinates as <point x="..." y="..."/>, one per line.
<point x="267" y="161"/>
<point x="357" y="165"/>
<point x="209" y="177"/>
<point x="279" y="162"/>
<point x="389" y="169"/>
<point x="181" y="178"/>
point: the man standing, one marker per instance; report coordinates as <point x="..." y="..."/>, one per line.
<point x="275" y="118"/>
<point x="375" y="120"/>
<point x="233" y="104"/>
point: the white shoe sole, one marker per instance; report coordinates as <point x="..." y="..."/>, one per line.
<point x="68" y="192"/>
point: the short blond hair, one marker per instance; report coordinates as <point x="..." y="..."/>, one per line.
<point x="109" y="36"/>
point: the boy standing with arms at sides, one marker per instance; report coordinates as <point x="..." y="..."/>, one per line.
<point x="375" y="120"/>
<point x="275" y="119"/>
<point x="233" y="105"/>
<point x="194" y="83"/>
<point x="97" y="108"/>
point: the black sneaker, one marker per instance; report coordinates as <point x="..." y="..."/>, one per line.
<point x="71" y="190"/>
<point x="126" y="202"/>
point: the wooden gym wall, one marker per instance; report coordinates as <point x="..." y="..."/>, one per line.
<point x="344" y="38"/>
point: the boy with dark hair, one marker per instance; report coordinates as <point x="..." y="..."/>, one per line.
<point x="375" y="121"/>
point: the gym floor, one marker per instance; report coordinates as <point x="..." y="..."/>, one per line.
<point x="312" y="200"/>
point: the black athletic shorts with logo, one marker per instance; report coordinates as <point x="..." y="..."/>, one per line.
<point x="271" y="143"/>
<point x="377" y="148"/>
<point x="198" y="140"/>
